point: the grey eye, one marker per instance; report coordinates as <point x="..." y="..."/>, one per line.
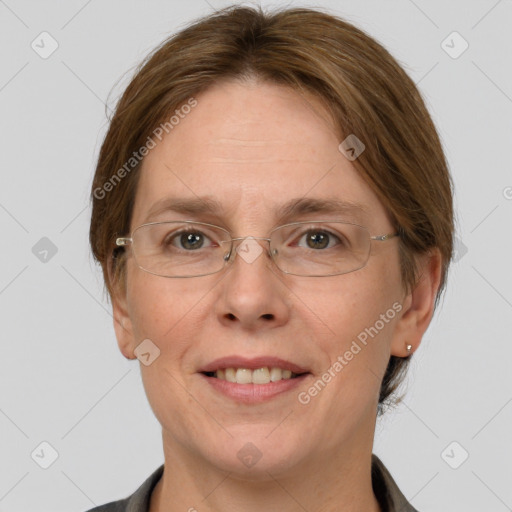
<point x="319" y="239"/>
<point x="187" y="240"/>
<point x="191" y="240"/>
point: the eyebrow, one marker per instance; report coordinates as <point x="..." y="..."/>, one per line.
<point x="207" y="205"/>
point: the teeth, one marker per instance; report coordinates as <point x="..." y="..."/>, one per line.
<point x="230" y="375"/>
<point x="243" y="376"/>
<point x="276" y="374"/>
<point x="259" y="376"/>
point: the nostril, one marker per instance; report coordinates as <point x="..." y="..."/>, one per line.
<point x="268" y="316"/>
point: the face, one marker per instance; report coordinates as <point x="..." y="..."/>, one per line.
<point x="252" y="148"/>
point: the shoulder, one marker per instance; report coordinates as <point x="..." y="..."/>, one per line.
<point x="138" y="501"/>
<point x="114" y="506"/>
<point x="386" y="490"/>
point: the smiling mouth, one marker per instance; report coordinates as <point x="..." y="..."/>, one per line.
<point x="264" y="375"/>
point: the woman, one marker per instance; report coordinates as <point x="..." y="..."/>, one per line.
<point x="272" y="211"/>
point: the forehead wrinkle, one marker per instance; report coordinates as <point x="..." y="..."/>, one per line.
<point x="249" y="142"/>
<point x="255" y="150"/>
<point x="222" y="160"/>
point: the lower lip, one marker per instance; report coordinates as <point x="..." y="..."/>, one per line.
<point x="254" y="393"/>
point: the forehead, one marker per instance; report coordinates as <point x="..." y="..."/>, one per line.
<point x="250" y="148"/>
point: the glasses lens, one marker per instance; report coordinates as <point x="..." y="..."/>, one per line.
<point x="180" y="249"/>
<point x="320" y="248"/>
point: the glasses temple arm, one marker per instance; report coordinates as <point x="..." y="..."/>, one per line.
<point x="382" y="238"/>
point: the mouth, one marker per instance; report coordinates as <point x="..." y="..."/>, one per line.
<point x="253" y="380"/>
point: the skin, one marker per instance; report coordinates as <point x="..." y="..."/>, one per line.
<point x="253" y="146"/>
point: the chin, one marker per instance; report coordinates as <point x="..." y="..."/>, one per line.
<point x="253" y="454"/>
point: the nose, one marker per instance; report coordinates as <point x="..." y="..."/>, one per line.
<point x="252" y="294"/>
<point x="248" y="248"/>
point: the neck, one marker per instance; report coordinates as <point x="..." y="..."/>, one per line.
<point x="338" y="480"/>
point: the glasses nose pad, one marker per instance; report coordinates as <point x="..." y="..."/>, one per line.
<point x="227" y="255"/>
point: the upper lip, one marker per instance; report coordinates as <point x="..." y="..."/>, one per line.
<point x="252" y="364"/>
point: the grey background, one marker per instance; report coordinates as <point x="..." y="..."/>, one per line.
<point x="62" y="378"/>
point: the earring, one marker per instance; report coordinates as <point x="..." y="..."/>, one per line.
<point x="408" y="347"/>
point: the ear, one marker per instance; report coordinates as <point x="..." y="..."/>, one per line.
<point x="122" y="321"/>
<point x="418" y="305"/>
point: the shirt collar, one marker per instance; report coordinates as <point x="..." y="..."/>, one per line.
<point x="386" y="490"/>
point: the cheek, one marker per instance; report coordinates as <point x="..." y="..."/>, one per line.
<point x="349" y="304"/>
<point x="357" y="314"/>
<point x="162" y="308"/>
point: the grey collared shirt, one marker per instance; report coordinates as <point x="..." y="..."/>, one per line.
<point x="387" y="492"/>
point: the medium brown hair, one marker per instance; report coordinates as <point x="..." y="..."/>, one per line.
<point x="363" y="87"/>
